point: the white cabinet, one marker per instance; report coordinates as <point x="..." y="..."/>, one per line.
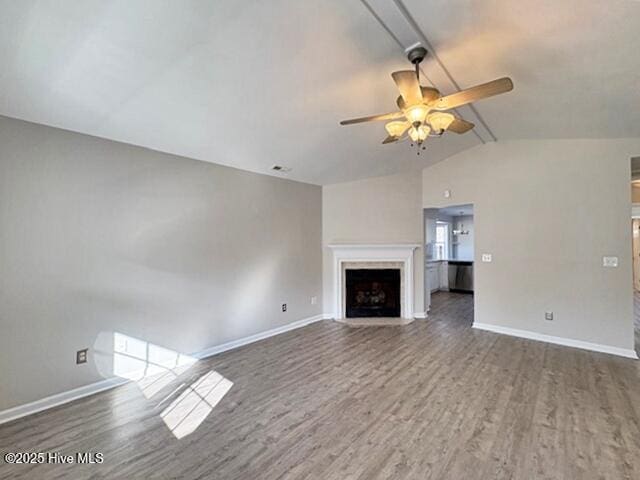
<point x="437" y="275"/>
<point x="433" y="276"/>
<point x="444" y="276"/>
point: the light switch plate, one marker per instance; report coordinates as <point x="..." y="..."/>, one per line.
<point x="609" y="261"/>
<point x="487" y="257"/>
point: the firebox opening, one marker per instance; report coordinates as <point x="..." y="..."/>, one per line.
<point x="372" y="292"/>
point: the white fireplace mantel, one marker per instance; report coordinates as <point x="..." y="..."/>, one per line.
<point x="396" y="252"/>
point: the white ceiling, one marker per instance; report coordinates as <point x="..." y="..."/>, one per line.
<point x="252" y="84"/>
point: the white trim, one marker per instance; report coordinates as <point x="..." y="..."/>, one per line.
<point x="420" y="315"/>
<point x="567" y="342"/>
<point x="396" y="252"/>
<point x="60" y="398"/>
<point x="376" y="246"/>
<point x="208" y="352"/>
<point x="108" y="383"/>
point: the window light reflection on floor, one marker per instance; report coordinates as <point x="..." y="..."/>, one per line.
<point x="153" y="368"/>
<point x="195" y="403"/>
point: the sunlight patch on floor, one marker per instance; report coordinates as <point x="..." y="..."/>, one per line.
<point x="195" y="403"/>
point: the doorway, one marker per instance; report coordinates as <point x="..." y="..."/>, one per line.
<point x="449" y="255"/>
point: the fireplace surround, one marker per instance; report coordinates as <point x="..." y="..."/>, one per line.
<point x="373" y="256"/>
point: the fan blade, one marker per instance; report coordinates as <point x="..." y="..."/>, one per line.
<point x="373" y="118"/>
<point x="390" y="139"/>
<point x="460" y="126"/>
<point x="409" y="87"/>
<point x="474" y="94"/>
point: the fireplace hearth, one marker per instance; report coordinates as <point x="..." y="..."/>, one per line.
<point x="372" y="292"/>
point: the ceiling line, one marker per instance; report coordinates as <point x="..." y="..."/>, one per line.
<point x="411" y="21"/>
<point x="397" y="40"/>
<point x="391" y="34"/>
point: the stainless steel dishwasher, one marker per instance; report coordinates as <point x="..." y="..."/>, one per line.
<point x="460" y="276"/>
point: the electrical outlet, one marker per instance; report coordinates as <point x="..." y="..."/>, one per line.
<point x="548" y="316"/>
<point x="314" y="300"/>
<point x="487" y="257"/>
<point x="284" y="307"/>
<point x="609" y="261"/>
<point x="447" y="194"/>
<point x="81" y="356"/>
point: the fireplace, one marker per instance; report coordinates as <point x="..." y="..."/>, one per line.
<point x="373" y="257"/>
<point x="372" y="292"/>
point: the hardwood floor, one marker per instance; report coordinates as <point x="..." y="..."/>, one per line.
<point x="431" y="400"/>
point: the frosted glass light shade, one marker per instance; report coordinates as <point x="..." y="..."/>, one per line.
<point x="419" y="134"/>
<point x="440" y="120"/>
<point x="396" y="129"/>
<point x="417" y="113"/>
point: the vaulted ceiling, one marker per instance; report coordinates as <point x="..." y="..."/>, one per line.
<point x="252" y="84"/>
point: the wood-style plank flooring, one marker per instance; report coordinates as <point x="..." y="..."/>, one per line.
<point x="431" y="400"/>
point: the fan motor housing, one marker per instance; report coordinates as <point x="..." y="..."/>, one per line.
<point x="416" y="55"/>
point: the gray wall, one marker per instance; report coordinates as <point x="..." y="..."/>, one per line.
<point x="548" y="211"/>
<point x="375" y="210"/>
<point x="99" y="237"/>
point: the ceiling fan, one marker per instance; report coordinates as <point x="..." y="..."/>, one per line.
<point x="423" y="110"/>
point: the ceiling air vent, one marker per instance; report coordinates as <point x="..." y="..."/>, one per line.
<point x="280" y="168"/>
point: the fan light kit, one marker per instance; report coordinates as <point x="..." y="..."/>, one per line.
<point x="423" y="110"/>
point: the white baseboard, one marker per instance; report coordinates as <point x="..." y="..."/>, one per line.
<point x="86" y="390"/>
<point x="59" y="399"/>
<point x="420" y="315"/>
<point x="208" y="352"/>
<point x="567" y="342"/>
